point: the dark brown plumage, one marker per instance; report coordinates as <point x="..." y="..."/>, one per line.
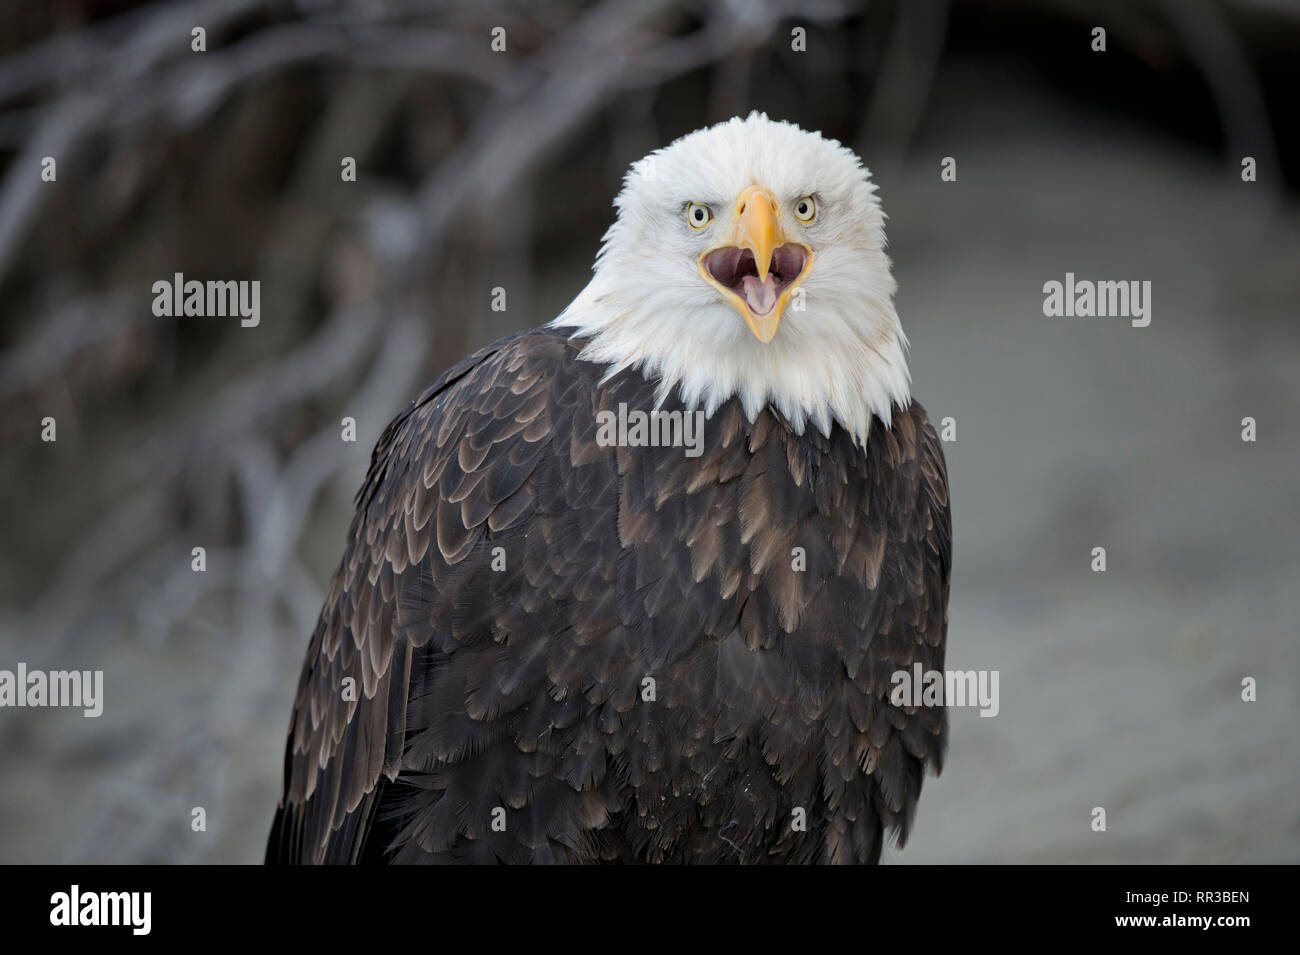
<point x="523" y="688"/>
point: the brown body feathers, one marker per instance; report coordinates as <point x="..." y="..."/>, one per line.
<point x="565" y="652"/>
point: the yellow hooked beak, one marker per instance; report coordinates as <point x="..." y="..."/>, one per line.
<point x="761" y="289"/>
<point x="756" y="226"/>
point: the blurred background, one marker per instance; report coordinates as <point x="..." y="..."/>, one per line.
<point x="479" y="169"/>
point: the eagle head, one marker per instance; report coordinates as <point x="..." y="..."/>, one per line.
<point x="748" y="260"/>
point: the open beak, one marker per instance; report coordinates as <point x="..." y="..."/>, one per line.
<point x="758" y="270"/>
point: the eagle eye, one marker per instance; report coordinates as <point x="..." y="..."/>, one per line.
<point x="805" y="209"/>
<point x="698" y="215"/>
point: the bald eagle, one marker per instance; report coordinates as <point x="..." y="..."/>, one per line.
<point x="551" y="639"/>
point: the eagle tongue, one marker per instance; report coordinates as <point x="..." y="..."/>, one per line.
<point x="760" y="296"/>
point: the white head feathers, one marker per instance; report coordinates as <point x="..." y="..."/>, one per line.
<point x="839" y="351"/>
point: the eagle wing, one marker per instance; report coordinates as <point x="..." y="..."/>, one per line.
<point x="459" y="459"/>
